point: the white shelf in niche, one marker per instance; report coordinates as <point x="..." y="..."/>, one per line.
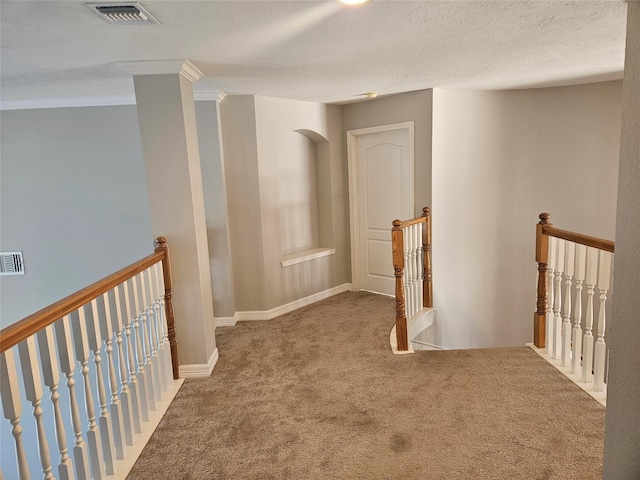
<point x="306" y="256"/>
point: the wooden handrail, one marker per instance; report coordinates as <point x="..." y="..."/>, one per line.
<point x="589" y="241"/>
<point x="544" y="230"/>
<point x="17" y="332"/>
<point x="406" y="223"/>
<point x="397" y="240"/>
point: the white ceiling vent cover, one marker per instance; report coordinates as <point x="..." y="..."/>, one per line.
<point x="11" y="263"/>
<point x="130" y="13"/>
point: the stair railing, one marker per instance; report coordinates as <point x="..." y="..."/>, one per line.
<point x="411" y="244"/>
<point x="120" y="334"/>
<point x="561" y="326"/>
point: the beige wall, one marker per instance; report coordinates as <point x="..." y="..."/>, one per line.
<point x="499" y="159"/>
<point x="260" y="139"/>
<point x="402" y="107"/>
<point x="73" y="199"/>
<point x="240" y="153"/>
<point x="215" y="203"/>
<point x="622" y="432"/>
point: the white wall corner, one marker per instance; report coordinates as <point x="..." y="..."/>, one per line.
<point x="296" y="304"/>
<point x="162" y="67"/>
<point x="200" y="370"/>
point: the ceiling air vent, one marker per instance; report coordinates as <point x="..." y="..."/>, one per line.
<point x="11" y="263"/>
<point x="123" y="13"/>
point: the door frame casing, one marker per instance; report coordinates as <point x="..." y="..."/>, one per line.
<point x="352" y="164"/>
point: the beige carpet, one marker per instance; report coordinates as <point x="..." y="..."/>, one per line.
<point x="316" y="394"/>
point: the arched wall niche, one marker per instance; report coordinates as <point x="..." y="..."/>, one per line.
<point x="305" y="198"/>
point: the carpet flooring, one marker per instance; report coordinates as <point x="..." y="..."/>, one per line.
<point x="317" y="394"/>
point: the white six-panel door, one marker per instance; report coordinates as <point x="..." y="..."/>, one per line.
<point x="381" y="190"/>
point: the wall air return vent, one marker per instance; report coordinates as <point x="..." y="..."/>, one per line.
<point x="11" y="263"/>
<point x="123" y="13"/>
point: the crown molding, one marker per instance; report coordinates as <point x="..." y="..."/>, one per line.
<point x="105" y="101"/>
<point x="209" y="95"/>
<point x="162" y="67"/>
<point x="67" y="102"/>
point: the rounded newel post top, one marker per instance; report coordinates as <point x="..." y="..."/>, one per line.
<point x="544" y="218"/>
<point x="161" y="241"/>
<point x="426" y="211"/>
<point x="397" y="223"/>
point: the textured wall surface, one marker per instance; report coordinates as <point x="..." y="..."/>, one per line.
<point x="499" y="159"/>
<point x="73" y="199"/>
<point x="622" y="440"/>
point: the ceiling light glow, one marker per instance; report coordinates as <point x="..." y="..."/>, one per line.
<point x="352" y="2"/>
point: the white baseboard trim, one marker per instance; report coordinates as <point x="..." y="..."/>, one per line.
<point x="225" y="321"/>
<point x="600" y="397"/>
<point x="124" y="466"/>
<point x="290" y="307"/>
<point x="199" y="370"/>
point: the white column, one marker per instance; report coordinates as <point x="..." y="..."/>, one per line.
<point x="166" y="113"/>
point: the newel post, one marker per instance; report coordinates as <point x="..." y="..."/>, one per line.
<point x="542" y="257"/>
<point x="168" y="304"/>
<point x="427" y="286"/>
<point x="397" y="242"/>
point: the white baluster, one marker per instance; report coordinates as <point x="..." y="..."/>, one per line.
<point x="414" y="265"/>
<point x="569" y="264"/>
<point x="416" y="268"/>
<point x="12" y="407"/>
<point x="67" y="365"/>
<point x="412" y="273"/>
<point x="125" y="395"/>
<point x="157" y="316"/>
<point x="51" y="374"/>
<point x="557" y="308"/>
<point x="152" y="379"/>
<point x="33" y="391"/>
<point x="407" y="274"/>
<point x="146" y="342"/>
<point x="143" y="381"/>
<point x="81" y="343"/>
<point x="604" y="283"/>
<point x="409" y="270"/>
<point x="163" y="321"/>
<point x="136" y="398"/>
<point x="550" y="318"/>
<point x="587" y="339"/>
<point x="106" y="330"/>
<point x="576" y="336"/>
<point x="153" y="335"/>
<point x="420" y="267"/>
<point x="95" y="344"/>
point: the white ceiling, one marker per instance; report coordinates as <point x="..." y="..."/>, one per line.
<point x="55" y="51"/>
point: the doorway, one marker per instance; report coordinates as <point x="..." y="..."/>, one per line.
<point x="380" y="161"/>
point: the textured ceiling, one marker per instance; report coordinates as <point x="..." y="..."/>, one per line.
<point x="308" y="50"/>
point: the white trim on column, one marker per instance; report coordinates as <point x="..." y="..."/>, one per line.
<point x="226" y="321"/>
<point x="199" y="370"/>
<point x="290" y="307"/>
<point x="162" y="67"/>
